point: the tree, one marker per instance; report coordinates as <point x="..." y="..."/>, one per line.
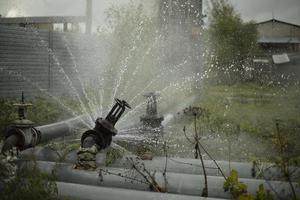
<point x="232" y="44"/>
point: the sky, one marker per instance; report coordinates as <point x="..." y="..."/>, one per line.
<point x="258" y="10"/>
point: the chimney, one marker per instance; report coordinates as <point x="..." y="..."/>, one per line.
<point x="88" y="14"/>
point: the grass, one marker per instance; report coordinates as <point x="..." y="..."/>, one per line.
<point x="251" y="107"/>
<point x="241" y="118"/>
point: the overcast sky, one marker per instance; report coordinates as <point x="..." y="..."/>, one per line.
<point x="258" y="10"/>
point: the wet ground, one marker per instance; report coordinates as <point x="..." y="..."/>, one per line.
<point x="221" y="147"/>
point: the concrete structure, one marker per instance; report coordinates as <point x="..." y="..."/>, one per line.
<point x="88" y="14"/>
<point x="276" y="36"/>
<point x="44" y="23"/>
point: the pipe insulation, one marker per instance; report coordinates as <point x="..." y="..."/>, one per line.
<point x="176" y="165"/>
<point x="193" y="166"/>
<point x="77" y="191"/>
<point x="177" y="183"/>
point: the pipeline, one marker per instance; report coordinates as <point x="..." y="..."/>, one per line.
<point x="60" y="129"/>
<point x="177" y="183"/>
<point x="66" y="190"/>
<point x="193" y="166"/>
<point x="176" y="165"/>
<point x="23" y="135"/>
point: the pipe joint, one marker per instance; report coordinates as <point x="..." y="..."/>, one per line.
<point x="21" y="138"/>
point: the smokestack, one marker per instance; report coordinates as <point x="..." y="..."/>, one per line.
<point x="88" y="14"/>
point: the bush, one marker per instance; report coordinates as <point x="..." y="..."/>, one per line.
<point x="30" y="184"/>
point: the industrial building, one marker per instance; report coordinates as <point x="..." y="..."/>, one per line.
<point x="44" y="23"/>
<point x="277" y="36"/>
<point x="280" y="42"/>
<point x="48" y="23"/>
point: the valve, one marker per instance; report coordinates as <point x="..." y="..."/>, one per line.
<point x="99" y="137"/>
<point x="104" y="129"/>
<point x="21" y="134"/>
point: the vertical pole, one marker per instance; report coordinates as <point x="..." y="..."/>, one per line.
<point x="88" y="25"/>
<point x="50" y="42"/>
<point x="65" y="27"/>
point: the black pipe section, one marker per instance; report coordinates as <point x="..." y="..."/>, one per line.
<point x="23" y="135"/>
<point x="104" y="129"/>
<point x="10" y="142"/>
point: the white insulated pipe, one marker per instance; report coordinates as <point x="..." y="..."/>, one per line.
<point x="177" y="183"/>
<point x="86" y="192"/>
<point x="176" y="165"/>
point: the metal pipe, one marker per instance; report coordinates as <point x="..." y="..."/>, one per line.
<point x="193" y="166"/>
<point x="60" y="129"/>
<point x="177" y="183"/>
<point x="103" y="193"/>
<point x="176" y="165"/>
<point x="23" y="135"/>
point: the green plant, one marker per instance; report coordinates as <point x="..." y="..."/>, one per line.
<point x="30" y="184"/>
<point x="238" y="190"/>
<point x="112" y="155"/>
<point x="7" y="115"/>
<point x="249" y="127"/>
<point x="285" y="148"/>
<point x="263" y="194"/>
<point x="233" y="185"/>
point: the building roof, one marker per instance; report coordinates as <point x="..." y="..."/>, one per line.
<point x="42" y="20"/>
<point x="276" y="39"/>
<point x="278" y="21"/>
